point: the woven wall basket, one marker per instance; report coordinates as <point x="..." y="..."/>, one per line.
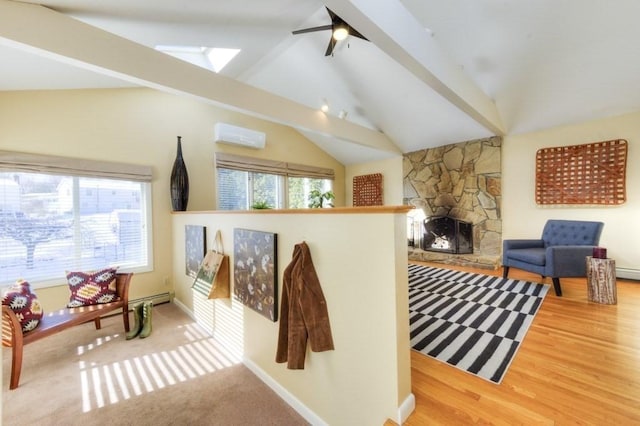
<point x="593" y="173"/>
<point x="367" y="190"/>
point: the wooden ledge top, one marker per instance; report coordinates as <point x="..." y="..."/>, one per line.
<point x="334" y="210"/>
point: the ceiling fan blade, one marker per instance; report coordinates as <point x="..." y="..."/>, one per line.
<point x="332" y="15"/>
<point x="330" y="47"/>
<point x="353" y="32"/>
<point x="309" y="30"/>
<point x="336" y="23"/>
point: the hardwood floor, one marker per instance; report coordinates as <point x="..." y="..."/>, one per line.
<point x="578" y="364"/>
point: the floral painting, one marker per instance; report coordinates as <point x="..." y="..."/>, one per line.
<point x="195" y="247"/>
<point x="255" y="271"/>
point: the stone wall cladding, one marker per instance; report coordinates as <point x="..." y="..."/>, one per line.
<point x="462" y="181"/>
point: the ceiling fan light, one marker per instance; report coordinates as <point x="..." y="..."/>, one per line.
<point x="340" y="33"/>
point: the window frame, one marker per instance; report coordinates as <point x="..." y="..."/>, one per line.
<point x="78" y="168"/>
<point x="282" y="170"/>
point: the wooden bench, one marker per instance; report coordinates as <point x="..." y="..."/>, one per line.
<point x="54" y="322"/>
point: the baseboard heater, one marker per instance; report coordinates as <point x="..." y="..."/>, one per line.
<point x="157" y="299"/>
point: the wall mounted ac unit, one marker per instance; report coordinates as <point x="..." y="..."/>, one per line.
<point x="234" y="135"/>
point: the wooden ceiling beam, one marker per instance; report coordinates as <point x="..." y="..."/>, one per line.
<point x="51" y="34"/>
<point x="391" y="27"/>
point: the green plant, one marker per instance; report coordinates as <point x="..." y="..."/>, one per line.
<point x="317" y="198"/>
<point x="260" y="205"/>
<point x="329" y="196"/>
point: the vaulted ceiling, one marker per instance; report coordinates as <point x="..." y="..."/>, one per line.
<point x="432" y="73"/>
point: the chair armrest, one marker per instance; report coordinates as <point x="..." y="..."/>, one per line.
<point x="520" y="244"/>
<point x="567" y="261"/>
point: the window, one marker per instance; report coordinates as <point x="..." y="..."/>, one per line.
<point x="211" y="58"/>
<point x="244" y="181"/>
<point x="239" y="190"/>
<point x="299" y="189"/>
<point x="54" y="219"/>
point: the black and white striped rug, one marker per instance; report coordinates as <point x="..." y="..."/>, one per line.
<point x="474" y="322"/>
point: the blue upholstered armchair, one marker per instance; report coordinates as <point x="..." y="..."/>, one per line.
<point x="559" y="253"/>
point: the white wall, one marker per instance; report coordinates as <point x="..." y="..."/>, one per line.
<point x="363" y="275"/>
<point x="391" y="170"/>
<point x="140" y="126"/>
<point x="523" y="218"/>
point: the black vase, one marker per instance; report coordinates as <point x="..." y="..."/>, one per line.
<point x="179" y="182"/>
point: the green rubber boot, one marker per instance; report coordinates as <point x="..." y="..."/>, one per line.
<point x="137" y="322"/>
<point x="146" y="320"/>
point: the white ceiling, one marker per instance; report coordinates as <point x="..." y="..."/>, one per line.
<point x="435" y="72"/>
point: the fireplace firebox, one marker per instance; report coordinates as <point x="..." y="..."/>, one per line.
<point x="447" y="234"/>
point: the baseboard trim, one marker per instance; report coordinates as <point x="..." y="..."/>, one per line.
<point x="406" y="408"/>
<point x="631" y="274"/>
<point x="294" y="402"/>
<point x="184" y="308"/>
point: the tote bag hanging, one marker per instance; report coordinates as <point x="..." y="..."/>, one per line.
<point x="213" y="276"/>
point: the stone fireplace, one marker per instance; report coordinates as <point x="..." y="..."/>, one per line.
<point x="459" y="187"/>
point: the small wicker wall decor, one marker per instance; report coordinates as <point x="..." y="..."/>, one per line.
<point x="367" y="190"/>
<point x="593" y="173"/>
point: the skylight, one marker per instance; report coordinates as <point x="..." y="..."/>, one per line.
<point x="211" y="58"/>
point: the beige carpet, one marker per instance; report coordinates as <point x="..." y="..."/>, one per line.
<point x="177" y="376"/>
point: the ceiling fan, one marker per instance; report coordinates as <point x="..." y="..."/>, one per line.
<point x="339" y="31"/>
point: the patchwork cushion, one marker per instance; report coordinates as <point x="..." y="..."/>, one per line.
<point x="92" y="288"/>
<point x="25" y="304"/>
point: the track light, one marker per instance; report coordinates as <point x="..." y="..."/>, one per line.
<point x="325" y="106"/>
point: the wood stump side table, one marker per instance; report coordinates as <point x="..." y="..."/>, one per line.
<point x="601" y="280"/>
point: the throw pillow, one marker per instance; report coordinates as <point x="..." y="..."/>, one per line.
<point x="92" y="287"/>
<point x="24" y="302"/>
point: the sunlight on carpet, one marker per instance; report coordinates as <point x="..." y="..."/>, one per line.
<point x="221" y="318"/>
<point x="122" y="380"/>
